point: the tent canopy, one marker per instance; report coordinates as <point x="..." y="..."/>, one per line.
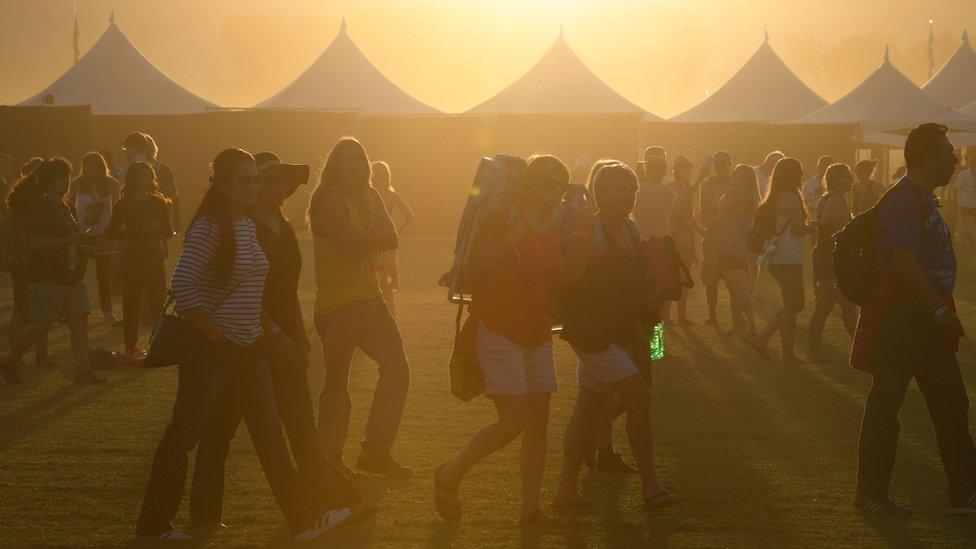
<point x="763" y="90"/>
<point x="344" y="78"/>
<point x="115" y="78"/>
<point x="888" y="100"/>
<point x="559" y="83"/>
<point x="955" y="83"/>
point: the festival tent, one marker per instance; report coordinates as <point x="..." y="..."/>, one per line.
<point x="559" y="83"/>
<point x="955" y="83"/>
<point x="763" y="90"/>
<point x="970" y="109"/>
<point x="115" y="78"/>
<point x="888" y="100"/>
<point x="343" y="78"/>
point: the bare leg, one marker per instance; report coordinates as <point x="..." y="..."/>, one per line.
<point x="532" y="462"/>
<point x="826" y="297"/>
<point x="636" y="397"/>
<point x="78" y="325"/>
<point x="589" y="406"/>
<point x="737" y="283"/>
<point x="512" y="418"/>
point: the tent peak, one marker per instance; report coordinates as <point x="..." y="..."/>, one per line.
<point x="887" y="54"/>
<point x="343" y="27"/>
<point x="965" y="37"/>
<point x="765" y="34"/>
<point x="562" y="33"/>
<point x="111" y="17"/>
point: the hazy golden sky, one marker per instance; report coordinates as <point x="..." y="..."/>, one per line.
<point x="662" y="54"/>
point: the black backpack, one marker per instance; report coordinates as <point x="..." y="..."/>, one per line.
<point x="857" y="264"/>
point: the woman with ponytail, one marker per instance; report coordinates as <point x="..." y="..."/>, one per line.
<point x="218" y="286"/>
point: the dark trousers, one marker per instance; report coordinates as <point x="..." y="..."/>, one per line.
<point x="103" y="272"/>
<point x="910" y="345"/>
<point x="218" y="377"/>
<point x="139" y="275"/>
<point x="326" y="482"/>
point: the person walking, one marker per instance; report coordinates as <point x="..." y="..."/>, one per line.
<point x="218" y="287"/>
<point x="865" y="191"/>
<point x="711" y="190"/>
<point x="733" y="218"/>
<point x="396" y="207"/>
<point x="815" y="187"/>
<point x="55" y="278"/>
<point x="350" y="230"/>
<point x="518" y="265"/>
<point x="141" y="222"/>
<point x="683" y="227"/>
<point x="655" y="199"/>
<point x="909" y="329"/>
<point x="601" y="307"/>
<point x="784" y="206"/>
<point x="287" y="360"/>
<point x="93" y="195"/>
<point x="832" y="214"/>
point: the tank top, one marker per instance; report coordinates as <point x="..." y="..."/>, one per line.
<point x="789" y="245"/>
<point x="93" y="211"/>
<point x="338" y="280"/>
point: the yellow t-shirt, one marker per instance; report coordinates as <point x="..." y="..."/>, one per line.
<point x="340" y="281"/>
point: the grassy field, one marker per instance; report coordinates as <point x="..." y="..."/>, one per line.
<point x="761" y="455"/>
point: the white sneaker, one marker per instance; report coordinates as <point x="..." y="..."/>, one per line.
<point x="175" y="535"/>
<point x="328" y="521"/>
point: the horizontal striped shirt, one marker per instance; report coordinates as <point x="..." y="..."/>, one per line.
<point x="239" y="295"/>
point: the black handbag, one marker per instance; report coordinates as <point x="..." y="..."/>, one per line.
<point x="173" y="335"/>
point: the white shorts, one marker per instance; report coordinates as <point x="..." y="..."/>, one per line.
<point x="511" y="369"/>
<point x="597" y="371"/>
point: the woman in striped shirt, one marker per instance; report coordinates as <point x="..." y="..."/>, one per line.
<point x="218" y="286"/>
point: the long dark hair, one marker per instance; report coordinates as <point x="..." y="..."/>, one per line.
<point x="132" y="176"/>
<point x="101" y="177"/>
<point x="743" y="188"/>
<point x="330" y="175"/>
<point x="216" y="207"/>
<point x="787" y="177"/>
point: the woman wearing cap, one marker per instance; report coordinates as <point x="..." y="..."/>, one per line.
<point x="396" y="207"/>
<point x="287" y="363"/>
<point x="832" y="215"/>
<point x="603" y="307"/>
<point x="519" y="266"/>
<point x="218" y="286"/>
<point x="141" y="220"/>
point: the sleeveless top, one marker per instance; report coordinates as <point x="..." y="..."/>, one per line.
<point x="340" y="281"/>
<point x="823" y="248"/>
<point x="789" y="244"/>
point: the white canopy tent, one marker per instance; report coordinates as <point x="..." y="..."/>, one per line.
<point x="955" y="83"/>
<point x="897" y="141"/>
<point x="559" y="83"/>
<point x="115" y="78"/>
<point x="970" y="109"/>
<point x="763" y="90"/>
<point x="344" y="78"/>
<point x="888" y="100"/>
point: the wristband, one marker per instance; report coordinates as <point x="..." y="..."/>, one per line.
<point x="940" y="309"/>
<point x="275" y="331"/>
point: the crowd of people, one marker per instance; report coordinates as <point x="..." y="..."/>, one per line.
<point x="235" y="289"/>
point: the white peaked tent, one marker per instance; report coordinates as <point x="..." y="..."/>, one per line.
<point x="763" y="90"/>
<point x="344" y="78"/>
<point x="888" y="100"/>
<point x="115" y="78"/>
<point x="559" y="83"/>
<point x="970" y="109"/>
<point x="955" y="83"/>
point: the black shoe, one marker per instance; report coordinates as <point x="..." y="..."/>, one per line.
<point x="611" y="462"/>
<point x="88" y="376"/>
<point x="382" y="464"/>
<point x="881" y="506"/>
<point x="8" y="373"/>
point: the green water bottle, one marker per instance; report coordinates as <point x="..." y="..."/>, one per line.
<point x="657" y="341"/>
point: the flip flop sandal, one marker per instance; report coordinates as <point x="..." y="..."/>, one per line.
<point x="446" y="498"/>
<point x="660" y="500"/>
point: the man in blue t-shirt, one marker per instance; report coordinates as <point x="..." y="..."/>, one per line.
<point x="918" y="332"/>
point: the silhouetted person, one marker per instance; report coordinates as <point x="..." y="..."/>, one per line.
<point x="784" y="206"/>
<point x="140" y="223"/>
<point x="350" y="230"/>
<point x="93" y="195"/>
<point x="733" y="218"/>
<point x="815" y="187"/>
<point x="909" y="329"/>
<point x="287" y="364"/>
<point x="218" y="286"/>
<point x="831" y="215"/>
<point x="601" y="305"/>
<point x="683" y="227"/>
<point x="402" y="216"/>
<point x="712" y="189"/>
<point x="866" y="191"/>
<point x="519" y="266"/>
<point x="56" y="272"/>
<point x="964" y="186"/>
<point x="764" y="172"/>
<point x="6" y="182"/>
<point x="655" y="199"/>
